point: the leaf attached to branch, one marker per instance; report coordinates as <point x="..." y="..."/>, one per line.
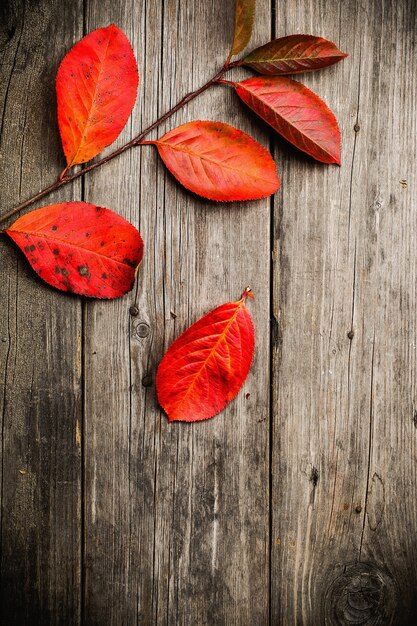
<point x="244" y="16"/>
<point x="294" y="54"/>
<point x="296" y="113"/>
<point x="81" y="248"/>
<point x="206" y="366"/>
<point x="96" y="89"/>
<point x="218" y="161"/>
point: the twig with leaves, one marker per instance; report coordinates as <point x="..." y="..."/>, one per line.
<point x="88" y="250"/>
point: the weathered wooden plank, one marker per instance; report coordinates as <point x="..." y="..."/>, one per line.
<point x="40" y="330"/>
<point x="176" y="515"/>
<point x="344" y="392"/>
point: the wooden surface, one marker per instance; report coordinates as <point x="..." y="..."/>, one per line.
<point x="296" y="505"/>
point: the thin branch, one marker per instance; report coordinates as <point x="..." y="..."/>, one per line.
<point x="136" y="141"/>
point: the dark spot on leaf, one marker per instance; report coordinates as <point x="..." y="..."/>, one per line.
<point x="101" y="243"/>
<point x="83" y="270"/>
<point x="57" y="269"/>
<point x="87" y="234"/>
<point x="104" y="275"/>
<point x="54" y="227"/>
<point x="129" y="262"/>
<point x="55" y="251"/>
<point x="64" y="272"/>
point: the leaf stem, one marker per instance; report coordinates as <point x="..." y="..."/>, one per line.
<point x="246" y="293"/>
<point x="62" y="174"/>
<point x="221" y="81"/>
<point x="237" y="63"/>
<point x="65" y="179"/>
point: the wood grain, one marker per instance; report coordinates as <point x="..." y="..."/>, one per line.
<point x="344" y="398"/>
<point x="176" y="517"/>
<point x="40" y="335"/>
<point x="296" y="505"/>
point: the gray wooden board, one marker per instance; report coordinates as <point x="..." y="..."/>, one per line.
<point x="110" y="515"/>
<point x="179" y="513"/>
<point x="40" y="339"/>
<point x="344" y="430"/>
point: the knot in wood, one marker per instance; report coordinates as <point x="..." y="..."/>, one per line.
<point x="142" y="330"/>
<point x="361" y="595"/>
<point x="147" y="380"/>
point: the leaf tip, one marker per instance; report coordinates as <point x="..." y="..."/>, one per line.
<point x="113" y="27"/>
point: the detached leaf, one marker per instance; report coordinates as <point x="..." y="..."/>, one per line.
<point x="244" y="16"/>
<point x="296" y="113"/>
<point x="206" y="366"/>
<point x="293" y="54"/>
<point x="96" y="89"/>
<point x="218" y="161"/>
<point x="80" y="247"/>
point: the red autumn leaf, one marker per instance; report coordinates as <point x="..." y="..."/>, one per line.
<point x="296" y="113"/>
<point x="218" y="161"/>
<point x="293" y="54"/>
<point x="206" y="366"/>
<point x="80" y="247"/>
<point x="96" y="89"/>
<point x="244" y="16"/>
